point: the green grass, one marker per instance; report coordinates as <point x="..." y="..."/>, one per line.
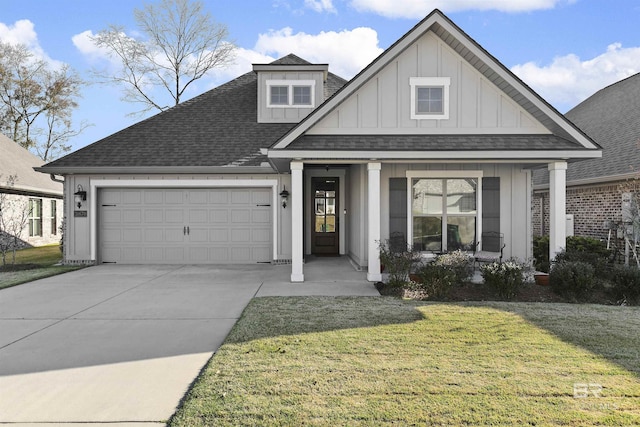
<point x="383" y="361"/>
<point x="32" y="264"/>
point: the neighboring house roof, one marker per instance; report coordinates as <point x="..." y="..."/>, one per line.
<point x="477" y="57"/>
<point x="18" y="161"/>
<point x="216" y="129"/>
<point x="611" y="117"/>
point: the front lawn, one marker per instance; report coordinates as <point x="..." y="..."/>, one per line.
<point x="384" y="361"/>
<point x="32" y="264"/>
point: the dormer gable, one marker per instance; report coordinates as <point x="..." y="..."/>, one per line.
<point x="289" y="89"/>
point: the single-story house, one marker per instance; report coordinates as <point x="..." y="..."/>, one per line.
<point x="595" y="187"/>
<point x="25" y="192"/>
<point x="435" y="140"/>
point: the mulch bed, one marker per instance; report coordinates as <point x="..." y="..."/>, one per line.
<point x="18" y="267"/>
<point x="481" y="292"/>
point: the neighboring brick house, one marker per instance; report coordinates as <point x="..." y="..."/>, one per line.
<point x="611" y="117"/>
<point x="31" y="191"/>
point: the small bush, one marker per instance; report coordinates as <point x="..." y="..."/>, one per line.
<point x="459" y="263"/>
<point x="625" y="282"/>
<point x="398" y="262"/>
<point x="436" y="280"/>
<point x="573" y="279"/>
<point x="505" y="278"/>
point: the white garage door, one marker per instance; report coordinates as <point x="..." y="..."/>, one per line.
<point x="185" y="226"/>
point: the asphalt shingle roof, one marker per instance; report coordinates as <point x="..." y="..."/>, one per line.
<point x="432" y="143"/>
<point x="217" y="128"/>
<point x="611" y="117"/>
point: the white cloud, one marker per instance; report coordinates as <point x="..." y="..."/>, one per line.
<point x="346" y="52"/>
<point x="320" y="5"/>
<point x="416" y="9"/>
<point x="568" y="80"/>
<point x="23" y="32"/>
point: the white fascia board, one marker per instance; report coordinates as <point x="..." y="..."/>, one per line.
<point x="521" y="87"/>
<point x="155" y="170"/>
<point x="437" y="155"/>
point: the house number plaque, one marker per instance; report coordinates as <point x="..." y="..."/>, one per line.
<point x="80" y="214"/>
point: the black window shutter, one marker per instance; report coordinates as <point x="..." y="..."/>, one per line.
<point x="398" y="207"/>
<point x="491" y="204"/>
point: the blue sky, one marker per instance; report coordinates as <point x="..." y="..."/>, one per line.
<point x="564" y="49"/>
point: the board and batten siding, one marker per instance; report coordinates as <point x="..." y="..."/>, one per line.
<point x="287" y="114"/>
<point x="383" y="104"/>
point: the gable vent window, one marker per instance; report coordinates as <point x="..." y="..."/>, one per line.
<point x="290" y="93"/>
<point x="429" y="98"/>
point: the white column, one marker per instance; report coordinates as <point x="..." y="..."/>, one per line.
<point x="373" y="236"/>
<point x="297" y="222"/>
<point x="557" y="207"/>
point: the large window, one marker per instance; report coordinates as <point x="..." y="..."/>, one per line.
<point x="429" y="97"/>
<point x="35" y="217"/>
<point x="290" y="93"/>
<point x="444" y="213"/>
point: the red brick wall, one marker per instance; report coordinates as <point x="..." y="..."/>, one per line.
<point x="591" y="206"/>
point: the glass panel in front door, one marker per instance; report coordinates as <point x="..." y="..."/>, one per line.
<point x="325" y="208"/>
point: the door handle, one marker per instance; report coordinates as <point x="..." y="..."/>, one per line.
<point x="188" y="231"/>
<point x="184" y="230"/>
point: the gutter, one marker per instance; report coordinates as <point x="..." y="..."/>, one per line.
<point x="156" y="170"/>
<point x="53" y="178"/>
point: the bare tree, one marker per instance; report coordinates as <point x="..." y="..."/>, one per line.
<point x="14" y="217"/>
<point x="37" y="101"/>
<point x="182" y="43"/>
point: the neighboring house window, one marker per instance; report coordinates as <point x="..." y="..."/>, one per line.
<point x="35" y="217"/>
<point x="290" y="93"/>
<point x="54" y="218"/>
<point x="429" y="97"/>
<point x="443" y="210"/>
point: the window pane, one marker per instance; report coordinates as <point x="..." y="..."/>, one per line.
<point x="320" y="206"/>
<point x="279" y="95"/>
<point x="54" y="214"/>
<point x="302" y="95"/>
<point x="331" y="206"/>
<point x="461" y="195"/>
<point x="461" y="232"/>
<point x="330" y="224"/>
<point x="427" y="196"/>
<point x="320" y="224"/>
<point x="429" y="100"/>
<point x="427" y="233"/>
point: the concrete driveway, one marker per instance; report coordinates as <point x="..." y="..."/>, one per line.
<point x="122" y="344"/>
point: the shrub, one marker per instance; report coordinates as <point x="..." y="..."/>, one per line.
<point x="573" y="279"/>
<point x="626" y="284"/>
<point x="505" y="278"/>
<point x="541" y="253"/>
<point x="459" y="263"/>
<point x="436" y="280"/>
<point x="398" y="261"/>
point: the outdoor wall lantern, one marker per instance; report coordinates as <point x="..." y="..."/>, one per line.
<point x="80" y="196"/>
<point x="284" y="195"/>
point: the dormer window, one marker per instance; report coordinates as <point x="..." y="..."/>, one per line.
<point x="290" y="93"/>
<point x="429" y="97"/>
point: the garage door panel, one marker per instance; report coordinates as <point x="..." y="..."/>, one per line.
<point x="149" y="226"/>
<point x="131" y="197"/>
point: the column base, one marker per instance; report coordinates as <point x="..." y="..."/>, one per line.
<point x="297" y="278"/>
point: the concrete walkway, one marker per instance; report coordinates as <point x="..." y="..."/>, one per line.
<point x="122" y="344"/>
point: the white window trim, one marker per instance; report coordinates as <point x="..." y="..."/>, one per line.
<point x="413" y="174"/>
<point x="443" y="82"/>
<point x="290" y="84"/>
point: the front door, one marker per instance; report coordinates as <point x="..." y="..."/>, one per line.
<point x="325" y="237"/>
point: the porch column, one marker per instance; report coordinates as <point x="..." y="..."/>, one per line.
<point x="557" y="208"/>
<point x="373" y="273"/>
<point x="297" y="222"/>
